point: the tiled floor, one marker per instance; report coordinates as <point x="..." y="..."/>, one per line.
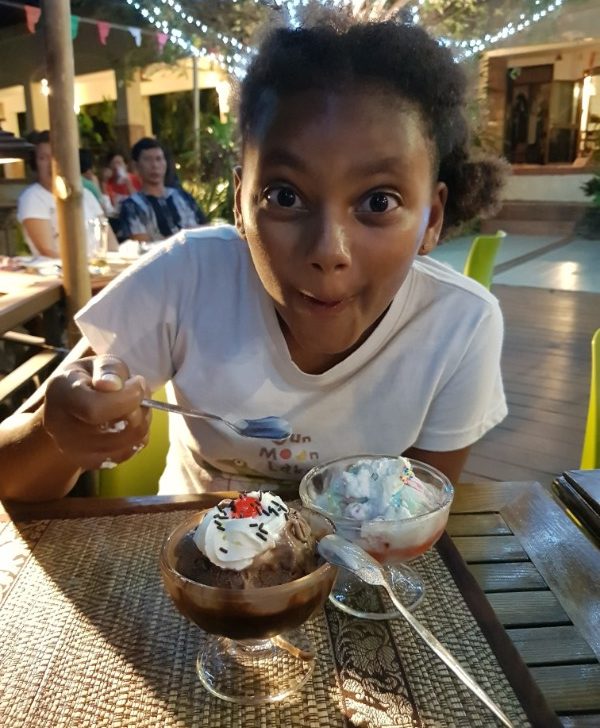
<point x="536" y="261"/>
<point x="571" y="267"/>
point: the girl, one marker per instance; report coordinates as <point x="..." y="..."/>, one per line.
<point x="319" y="306"/>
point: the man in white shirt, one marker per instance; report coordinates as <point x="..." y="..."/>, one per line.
<point x="37" y="208"/>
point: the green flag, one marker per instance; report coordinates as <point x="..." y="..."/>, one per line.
<point x="74" y="26"/>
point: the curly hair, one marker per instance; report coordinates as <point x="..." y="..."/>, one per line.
<point x="393" y="58"/>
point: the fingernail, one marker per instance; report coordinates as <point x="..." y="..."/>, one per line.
<point x="112" y="378"/>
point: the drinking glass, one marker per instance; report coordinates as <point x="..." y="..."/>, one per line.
<point x="98" y="237"/>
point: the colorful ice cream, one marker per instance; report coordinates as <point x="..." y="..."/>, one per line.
<point x="383" y="488"/>
<point x="380" y="504"/>
<point x="254" y="540"/>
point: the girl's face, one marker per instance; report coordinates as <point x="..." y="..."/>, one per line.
<point x="335" y="199"/>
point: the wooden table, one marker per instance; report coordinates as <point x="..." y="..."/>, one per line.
<point x="540" y="573"/>
<point x="25" y="295"/>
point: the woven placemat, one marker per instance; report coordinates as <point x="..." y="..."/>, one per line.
<point x="88" y="637"/>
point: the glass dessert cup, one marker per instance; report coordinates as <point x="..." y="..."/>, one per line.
<point x="392" y="542"/>
<point x="256" y="650"/>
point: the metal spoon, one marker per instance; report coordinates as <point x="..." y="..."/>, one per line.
<point x="266" y="428"/>
<point x="339" y="551"/>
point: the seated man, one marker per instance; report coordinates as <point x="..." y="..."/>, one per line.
<point x="155" y="212"/>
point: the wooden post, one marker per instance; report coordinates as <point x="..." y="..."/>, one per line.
<point x="66" y="178"/>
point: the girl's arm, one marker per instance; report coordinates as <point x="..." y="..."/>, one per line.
<point x="450" y="463"/>
<point x="47" y="444"/>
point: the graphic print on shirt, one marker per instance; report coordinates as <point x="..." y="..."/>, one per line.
<point x="290" y="458"/>
<point x="286" y="460"/>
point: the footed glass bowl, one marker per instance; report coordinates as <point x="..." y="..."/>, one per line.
<point x="256" y="650"/>
<point x="391" y="542"/>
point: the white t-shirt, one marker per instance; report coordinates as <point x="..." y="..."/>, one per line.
<point x="195" y="313"/>
<point x="36" y="202"/>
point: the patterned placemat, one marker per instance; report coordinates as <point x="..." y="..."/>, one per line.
<point x="88" y="637"/>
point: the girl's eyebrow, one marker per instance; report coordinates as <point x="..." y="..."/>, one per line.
<point x="370" y="168"/>
<point x="285" y="158"/>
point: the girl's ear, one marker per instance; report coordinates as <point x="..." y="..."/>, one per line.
<point x="436" y="219"/>
<point x="237" y="208"/>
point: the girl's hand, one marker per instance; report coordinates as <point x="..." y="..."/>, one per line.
<point x="92" y="411"/>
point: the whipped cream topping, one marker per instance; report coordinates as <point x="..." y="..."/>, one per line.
<point x="384" y="488"/>
<point x="235" y="532"/>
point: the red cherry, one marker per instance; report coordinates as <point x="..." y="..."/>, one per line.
<point x="245" y="507"/>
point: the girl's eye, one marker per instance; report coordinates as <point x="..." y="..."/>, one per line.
<point x="283" y="197"/>
<point x="379" y="201"/>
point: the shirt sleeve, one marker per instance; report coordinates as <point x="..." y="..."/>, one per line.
<point x="136" y="317"/>
<point x="91" y="205"/>
<point x="472" y="400"/>
<point x="189" y="203"/>
<point x="130" y="220"/>
<point x="31" y="205"/>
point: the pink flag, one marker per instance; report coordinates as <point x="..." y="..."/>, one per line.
<point x="161" y="39"/>
<point x="32" y="15"/>
<point x="103" y="30"/>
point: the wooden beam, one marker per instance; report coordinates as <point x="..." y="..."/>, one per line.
<point x="67" y="186"/>
<point x="25" y="372"/>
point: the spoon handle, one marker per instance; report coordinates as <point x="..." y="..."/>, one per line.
<point x="448" y="658"/>
<point x="170" y="407"/>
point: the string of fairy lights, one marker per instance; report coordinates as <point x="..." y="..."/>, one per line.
<point x="234" y="55"/>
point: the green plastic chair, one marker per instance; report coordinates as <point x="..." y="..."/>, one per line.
<point x="482" y="255"/>
<point x="140" y="474"/>
<point x="590" y="455"/>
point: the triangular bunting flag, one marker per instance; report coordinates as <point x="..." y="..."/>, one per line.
<point x="74" y="26"/>
<point x="161" y="39"/>
<point x="32" y="15"/>
<point x="103" y="30"/>
<point x="136" y="34"/>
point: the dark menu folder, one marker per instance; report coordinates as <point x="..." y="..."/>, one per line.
<point x="580" y="491"/>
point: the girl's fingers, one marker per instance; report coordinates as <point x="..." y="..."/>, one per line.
<point x="109" y="373"/>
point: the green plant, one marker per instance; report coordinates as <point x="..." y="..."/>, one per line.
<point x="591" y="188"/>
<point x="208" y="179"/>
<point x="96" y="126"/>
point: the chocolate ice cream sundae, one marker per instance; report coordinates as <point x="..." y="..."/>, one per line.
<point x="248" y="568"/>
<point x="254" y="540"/>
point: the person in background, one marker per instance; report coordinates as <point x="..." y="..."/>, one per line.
<point x="156" y="212"/>
<point x="90" y="181"/>
<point x="119" y="182"/>
<point x="36" y="209"/>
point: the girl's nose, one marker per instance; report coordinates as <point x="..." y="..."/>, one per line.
<point x="330" y="249"/>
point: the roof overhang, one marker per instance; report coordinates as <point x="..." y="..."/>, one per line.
<point x="547" y="47"/>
